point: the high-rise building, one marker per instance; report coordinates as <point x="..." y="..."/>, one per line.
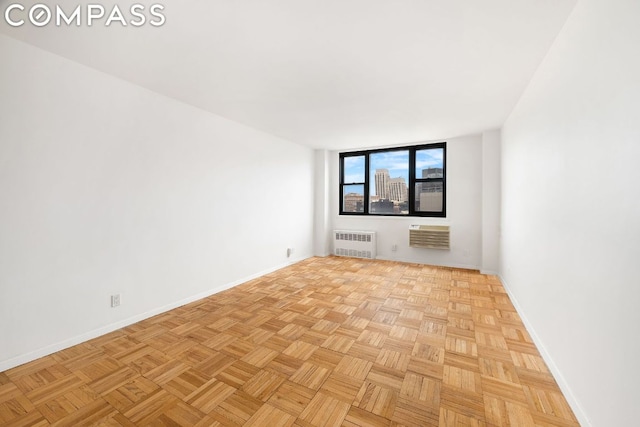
<point x="433" y="173"/>
<point x="430" y="194"/>
<point x="398" y="190"/>
<point x="382" y="179"/>
<point x="430" y="197"/>
<point x="382" y="207"/>
<point x="353" y="202"/>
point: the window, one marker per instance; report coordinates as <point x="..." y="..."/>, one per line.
<point x="409" y="181"/>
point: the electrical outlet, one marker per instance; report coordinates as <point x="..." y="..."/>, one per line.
<point x="394" y="248"/>
<point x="289" y="252"/>
<point x="115" y="300"/>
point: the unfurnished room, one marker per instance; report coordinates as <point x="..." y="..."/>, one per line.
<point x="320" y="213"/>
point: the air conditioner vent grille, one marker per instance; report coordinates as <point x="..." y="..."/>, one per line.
<point x="429" y="236"/>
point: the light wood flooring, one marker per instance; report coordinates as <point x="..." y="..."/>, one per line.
<point x="325" y="342"/>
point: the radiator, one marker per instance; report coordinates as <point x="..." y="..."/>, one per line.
<point x="429" y="236"/>
<point x="358" y="244"/>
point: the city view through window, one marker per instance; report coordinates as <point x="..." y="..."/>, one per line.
<point x="389" y="180"/>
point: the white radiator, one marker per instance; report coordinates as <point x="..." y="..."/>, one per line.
<point x="358" y="244"/>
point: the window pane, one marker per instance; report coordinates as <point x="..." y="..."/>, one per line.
<point x="353" y="169"/>
<point x="429" y="196"/>
<point x="353" y="198"/>
<point x="430" y="163"/>
<point x="389" y="174"/>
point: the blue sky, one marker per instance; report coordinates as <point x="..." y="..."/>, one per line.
<point x="395" y="161"/>
<point x="354" y="169"/>
<point x="429" y="159"/>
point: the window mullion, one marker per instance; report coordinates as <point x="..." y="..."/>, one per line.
<point x="412" y="180"/>
<point x="365" y="204"/>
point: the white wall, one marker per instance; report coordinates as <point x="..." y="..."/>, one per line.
<point x="490" y="202"/>
<point x="322" y="217"/>
<point x="571" y="210"/>
<point x="109" y="188"/>
<point x="464" y="212"/>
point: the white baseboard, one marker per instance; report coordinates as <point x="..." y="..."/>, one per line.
<point x="50" y="349"/>
<point x="562" y="383"/>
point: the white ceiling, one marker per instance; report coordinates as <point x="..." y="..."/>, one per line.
<point x="335" y="74"/>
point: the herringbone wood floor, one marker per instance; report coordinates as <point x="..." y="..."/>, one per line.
<point x="326" y="342"/>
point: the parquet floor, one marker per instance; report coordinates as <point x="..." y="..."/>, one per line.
<point x="326" y="342"/>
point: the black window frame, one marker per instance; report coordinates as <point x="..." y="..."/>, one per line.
<point x="413" y="180"/>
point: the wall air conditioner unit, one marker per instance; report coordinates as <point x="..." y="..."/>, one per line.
<point x="429" y="236"/>
<point x="358" y="244"/>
